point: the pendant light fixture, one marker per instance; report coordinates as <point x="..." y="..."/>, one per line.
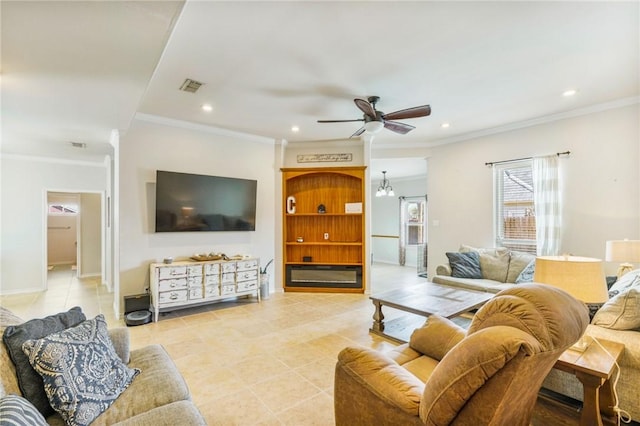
<point x="385" y="187"/>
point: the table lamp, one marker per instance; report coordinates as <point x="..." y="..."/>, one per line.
<point x="581" y="277"/>
<point x="624" y="251"/>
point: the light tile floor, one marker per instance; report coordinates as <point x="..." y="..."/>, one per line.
<point x="268" y="363"/>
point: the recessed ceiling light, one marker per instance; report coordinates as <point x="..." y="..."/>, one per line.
<point x="569" y="92"/>
<point x="207" y="107"/>
<point x="295" y="129"/>
<point x="445" y="125"/>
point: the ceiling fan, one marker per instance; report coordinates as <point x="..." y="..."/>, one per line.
<point x="375" y="120"/>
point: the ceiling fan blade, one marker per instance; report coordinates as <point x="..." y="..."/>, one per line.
<point x="358" y="132"/>
<point x="340" y="121"/>
<point x="401" y="128"/>
<point x="415" y="112"/>
<point x="365" y="107"/>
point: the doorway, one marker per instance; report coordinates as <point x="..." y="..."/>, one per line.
<point x="74" y="233"/>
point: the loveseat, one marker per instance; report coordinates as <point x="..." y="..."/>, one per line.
<point x="608" y="323"/>
<point x="157" y="395"/>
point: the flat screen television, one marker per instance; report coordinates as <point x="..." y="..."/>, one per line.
<point x="188" y="202"/>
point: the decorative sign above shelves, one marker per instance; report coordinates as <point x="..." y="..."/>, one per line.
<point x="324" y="158"/>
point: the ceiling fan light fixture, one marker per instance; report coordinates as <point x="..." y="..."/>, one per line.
<point x="373" y="126"/>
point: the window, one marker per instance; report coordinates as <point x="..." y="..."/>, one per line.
<point x="63" y="209"/>
<point x="515" y="219"/>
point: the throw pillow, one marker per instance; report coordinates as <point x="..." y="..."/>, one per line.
<point x="81" y="371"/>
<point x="14" y="336"/>
<point x="17" y="411"/>
<point x="494" y="262"/>
<point x="517" y="262"/>
<point x="465" y="265"/>
<point x="526" y="276"/>
<point x="622" y="312"/>
<point x="628" y="280"/>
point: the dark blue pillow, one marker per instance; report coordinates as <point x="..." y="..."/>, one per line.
<point x="465" y="265"/>
<point x="14" y="336"/>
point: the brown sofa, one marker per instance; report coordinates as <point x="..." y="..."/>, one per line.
<point x="158" y="396"/>
<point x="489" y="374"/>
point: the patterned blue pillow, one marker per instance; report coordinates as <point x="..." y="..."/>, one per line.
<point x="526" y="276"/>
<point x="81" y="371"/>
<point x="465" y="264"/>
<point x="17" y="411"/>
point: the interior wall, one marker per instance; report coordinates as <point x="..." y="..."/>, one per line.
<point x="150" y="146"/>
<point x="601" y="194"/>
<point x="90" y="235"/>
<point x="385" y="212"/>
<point x="25" y="182"/>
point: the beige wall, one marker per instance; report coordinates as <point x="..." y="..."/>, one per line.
<point x="149" y="146"/>
<point x="90" y="235"/>
<point x="600" y="180"/>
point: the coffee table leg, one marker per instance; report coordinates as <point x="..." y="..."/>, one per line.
<point x="378" y="317"/>
<point x="591" y="404"/>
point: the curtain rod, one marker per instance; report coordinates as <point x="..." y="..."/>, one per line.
<point x="523" y="158"/>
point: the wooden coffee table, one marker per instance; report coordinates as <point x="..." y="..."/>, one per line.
<point x="594" y="368"/>
<point x="423" y="300"/>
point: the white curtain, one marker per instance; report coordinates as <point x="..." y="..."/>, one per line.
<point x="546" y="199"/>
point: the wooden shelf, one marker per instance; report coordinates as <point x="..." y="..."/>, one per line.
<point x="334" y="188"/>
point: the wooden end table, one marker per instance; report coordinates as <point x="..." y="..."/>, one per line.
<point x="594" y="368"/>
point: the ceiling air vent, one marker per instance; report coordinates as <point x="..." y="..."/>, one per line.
<point x="78" y="144"/>
<point x="190" y="86"/>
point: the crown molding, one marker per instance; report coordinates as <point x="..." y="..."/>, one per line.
<point x="156" y="119"/>
<point x="56" y="160"/>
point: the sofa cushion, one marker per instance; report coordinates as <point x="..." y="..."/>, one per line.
<point x="465" y="369"/>
<point x="494" y="262"/>
<point x="464" y="265"/>
<point x="8" y="378"/>
<point x="436" y="337"/>
<point x="158" y="384"/>
<point x="472" y="284"/>
<point x="526" y="276"/>
<point x="17" y="411"/>
<point x="81" y="371"/>
<point x="622" y="312"/>
<point x="518" y="260"/>
<point x="30" y="382"/>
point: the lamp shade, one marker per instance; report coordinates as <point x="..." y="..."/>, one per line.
<point x="623" y="251"/>
<point x="581" y="277"/>
<point x="373" y="126"/>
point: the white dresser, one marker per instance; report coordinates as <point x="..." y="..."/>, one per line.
<point x="185" y="284"/>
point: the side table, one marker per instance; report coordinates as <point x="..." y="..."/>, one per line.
<point x="594" y="368"/>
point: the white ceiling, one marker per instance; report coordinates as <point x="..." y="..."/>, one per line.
<point x="76" y="70"/>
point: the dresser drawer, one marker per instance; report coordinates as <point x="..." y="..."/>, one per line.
<point x="243" y="265"/>
<point x="228" y="289"/>
<point x="229" y="278"/>
<point x="211" y="268"/>
<point x="172" y="297"/>
<point x="194" y="281"/>
<point x="196" y="293"/>
<point x="211" y="291"/>
<point x="172" y="272"/>
<point x="228" y="267"/>
<point x="247" y="275"/>
<point x="211" y="279"/>
<point x="247" y="285"/>
<point x="173" y="284"/>
<point x="194" y="270"/>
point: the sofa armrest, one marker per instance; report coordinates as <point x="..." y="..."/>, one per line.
<point x="120" y="338"/>
<point x="383" y="377"/>
<point x="443" y="270"/>
<point x="436" y="337"/>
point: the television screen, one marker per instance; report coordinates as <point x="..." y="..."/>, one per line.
<point x="187" y="202"/>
